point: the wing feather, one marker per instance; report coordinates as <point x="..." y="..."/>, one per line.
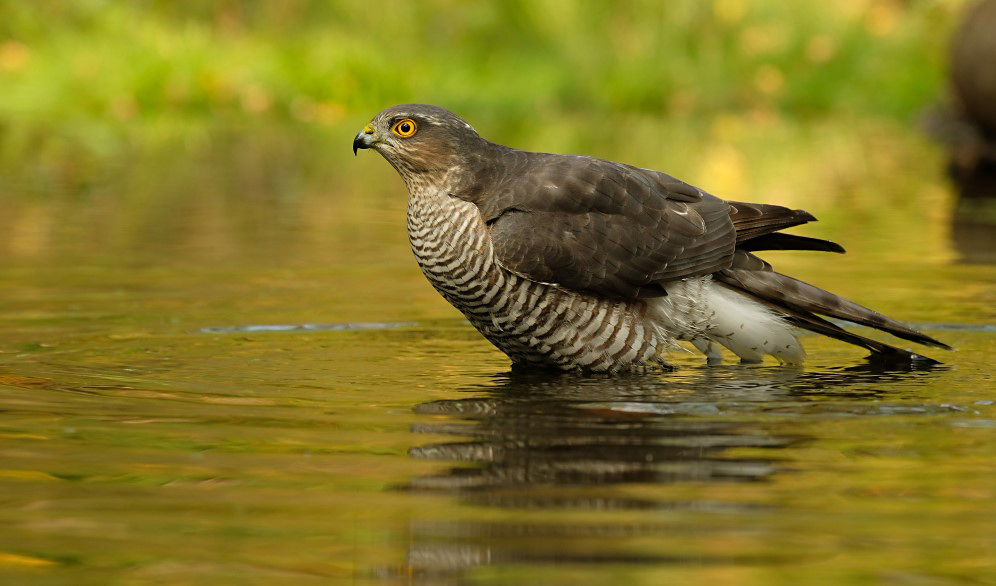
<point x="605" y="228"/>
<point x="619" y="231"/>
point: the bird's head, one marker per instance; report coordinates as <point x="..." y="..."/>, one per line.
<point x="419" y="140"/>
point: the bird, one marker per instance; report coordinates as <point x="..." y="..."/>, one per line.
<point x="576" y="263"/>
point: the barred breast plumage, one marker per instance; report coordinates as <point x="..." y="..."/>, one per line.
<point x="533" y="323"/>
<point x="578" y="263"/>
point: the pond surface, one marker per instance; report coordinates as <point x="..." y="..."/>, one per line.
<point x="217" y="369"/>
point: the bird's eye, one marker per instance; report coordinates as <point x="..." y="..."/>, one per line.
<point x="404" y="128"/>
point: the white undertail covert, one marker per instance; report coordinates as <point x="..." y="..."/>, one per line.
<point x="710" y="315"/>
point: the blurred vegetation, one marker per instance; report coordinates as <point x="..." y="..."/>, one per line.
<point x="102" y="75"/>
<point x="224" y="127"/>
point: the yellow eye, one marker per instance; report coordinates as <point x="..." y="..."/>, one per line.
<point x="404" y="128"/>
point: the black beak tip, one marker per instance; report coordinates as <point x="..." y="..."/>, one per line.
<point x="362" y="141"/>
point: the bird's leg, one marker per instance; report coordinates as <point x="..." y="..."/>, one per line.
<point x="711" y="350"/>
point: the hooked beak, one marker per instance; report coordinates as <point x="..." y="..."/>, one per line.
<point x="364" y="139"/>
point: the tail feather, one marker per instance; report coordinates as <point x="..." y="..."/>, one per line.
<point x="785" y="291"/>
<point x="781" y="241"/>
<point x="752" y="220"/>
<point x="758" y="228"/>
<point x="804" y="304"/>
<point x="879" y="350"/>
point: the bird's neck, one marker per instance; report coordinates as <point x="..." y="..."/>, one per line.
<point x="462" y="176"/>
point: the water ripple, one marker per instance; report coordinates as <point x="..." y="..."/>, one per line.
<point x="346" y="327"/>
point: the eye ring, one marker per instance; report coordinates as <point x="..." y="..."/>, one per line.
<point x="404" y="128"/>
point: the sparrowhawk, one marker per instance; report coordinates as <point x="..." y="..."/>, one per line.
<point x="579" y="263"/>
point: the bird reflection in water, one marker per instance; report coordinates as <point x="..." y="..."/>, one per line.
<point x="569" y="445"/>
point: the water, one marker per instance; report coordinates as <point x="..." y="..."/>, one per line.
<point x="226" y="369"/>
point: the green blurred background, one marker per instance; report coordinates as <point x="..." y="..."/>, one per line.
<point x="163" y="111"/>
<point x="97" y="76"/>
<point x="120" y="121"/>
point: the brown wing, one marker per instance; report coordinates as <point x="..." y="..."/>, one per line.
<point x="602" y="227"/>
<point x="619" y="231"/>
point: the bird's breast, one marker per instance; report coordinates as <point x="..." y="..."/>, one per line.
<point x="452" y="246"/>
<point x="534" y="323"/>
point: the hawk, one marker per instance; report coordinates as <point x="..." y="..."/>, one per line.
<point x="582" y="264"/>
